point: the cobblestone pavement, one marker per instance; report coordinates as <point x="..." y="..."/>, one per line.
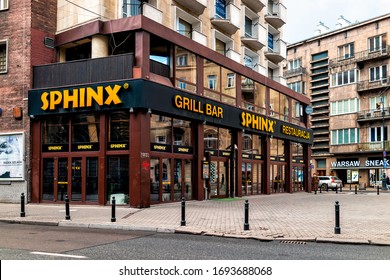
<point x="364" y="217"/>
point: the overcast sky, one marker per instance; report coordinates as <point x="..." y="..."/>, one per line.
<point x="303" y="16"/>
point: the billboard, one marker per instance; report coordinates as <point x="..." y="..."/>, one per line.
<point x="11" y="157"/>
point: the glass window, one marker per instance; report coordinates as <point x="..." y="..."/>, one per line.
<point x="118" y="179"/>
<point x="185" y="70"/>
<point x="132" y="7"/>
<point x="3" y="56"/>
<point x="220" y="47"/>
<point x="119" y="129"/>
<point x="55" y="130"/>
<point x="248" y="27"/>
<point x="184" y="28"/>
<point x="160" y="129"/>
<point x="3" y="4"/>
<point x="346" y="51"/>
<point x="220" y="8"/>
<point x="85" y="128"/>
<point x="376" y="43"/>
<point x="182" y="133"/>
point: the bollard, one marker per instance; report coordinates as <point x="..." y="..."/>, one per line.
<point x="337" y="189"/>
<point x="315" y="190"/>
<point x="337" y="212"/>
<point x="22" y="213"/>
<point x="377" y="190"/>
<point x="246" y="222"/>
<point x="183" y="212"/>
<point x="355" y="189"/>
<point x="341" y="188"/>
<point x="67" y="212"/>
<point x="113" y="219"/>
<point x="320" y="189"/>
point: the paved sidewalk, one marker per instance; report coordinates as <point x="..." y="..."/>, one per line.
<point x="364" y="217"/>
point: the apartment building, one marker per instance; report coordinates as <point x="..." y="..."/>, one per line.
<point x="153" y="101"/>
<point x="345" y="73"/>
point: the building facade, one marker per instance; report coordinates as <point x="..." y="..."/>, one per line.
<point x="345" y="73"/>
<point x="153" y="101"/>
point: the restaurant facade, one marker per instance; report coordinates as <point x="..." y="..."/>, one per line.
<point x="160" y="119"/>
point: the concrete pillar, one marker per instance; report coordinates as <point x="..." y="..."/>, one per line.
<point x="99" y="46"/>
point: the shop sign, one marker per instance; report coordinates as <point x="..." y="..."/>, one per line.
<point x="118" y="146"/>
<point x="357" y="163"/>
<point x="292" y="131"/>
<point x="196" y="106"/>
<point x="85" y="147"/>
<point x="183" y="150"/>
<point x="257" y="122"/>
<point x="55" y="148"/>
<point x="205" y="169"/>
<point x="80" y="97"/>
<point x="160" y="148"/>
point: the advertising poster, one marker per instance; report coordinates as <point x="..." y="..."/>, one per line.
<point x="11" y="157"/>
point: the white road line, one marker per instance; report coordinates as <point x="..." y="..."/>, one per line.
<point x="58" y="255"/>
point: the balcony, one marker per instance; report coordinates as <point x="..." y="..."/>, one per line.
<point x="278" y="53"/>
<point x="360" y="57"/>
<point x="196" y="6"/>
<point x="228" y="21"/>
<point x="199" y="37"/>
<point x="373" y="115"/>
<point x="294" y="72"/>
<point x="373" y="146"/>
<point x="255" y="5"/>
<point x="372" y="85"/>
<point x="118" y="67"/>
<point x="145" y="9"/>
<point x="258" y="39"/>
<point x="276" y="15"/>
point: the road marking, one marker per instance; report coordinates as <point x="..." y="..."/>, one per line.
<point x="58" y="255"/>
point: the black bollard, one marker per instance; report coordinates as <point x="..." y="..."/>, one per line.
<point x="315" y="190"/>
<point x="22" y="213"/>
<point x="337" y="211"/>
<point x="113" y="219"/>
<point x="377" y="190"/>
<point x="246" y="222"/>
<point x="183" y="212"/>
<point x="355" y="189"/>
<point x="320" y="189"/>
<point x="341" y="188"/>
<point x="337" y="189"/>
<point x="67" y="212"/>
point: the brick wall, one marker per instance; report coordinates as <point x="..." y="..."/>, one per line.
<point x="24" y="27"/>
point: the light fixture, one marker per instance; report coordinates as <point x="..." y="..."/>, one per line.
<point x="204" y="122"/>
<point x="149" y="111"/>
<point x="131" y="110"/>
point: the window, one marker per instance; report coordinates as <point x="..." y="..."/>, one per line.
<point x="231" y="80"/>
<point x="345" y="136"/>
<point x="3" y="5"/>
<point x="132" y="7"/>
<point x="346" y="51"/>
<point x="375" y="102"/>
<point x="161" y="139"/>
<point x="345" y="78"/>
<point x="220" y="46"/>
<point x="294" y="64"/>
<point x="220" y="8"/>
<point x="182" y="60"/>
<point x="184" y="28"/>
<point x="270" y="42"/>
<point x="378" y="73"/>
<point x="119" y="128"/>
<point x="344" y="106"/>
<point x="185" y="70"/>
<point x="376" y="134"/>
<point x="248" y="27"/>
<point x="3" y="56"/>
<point x="212" y="82"/>
<point x="295" y="86"/>
<point x="376" y="43"/>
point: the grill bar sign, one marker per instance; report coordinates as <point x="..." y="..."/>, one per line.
<point x="357" y="163"/>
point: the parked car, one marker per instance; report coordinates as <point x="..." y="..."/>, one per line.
<point x="329" y="182"/>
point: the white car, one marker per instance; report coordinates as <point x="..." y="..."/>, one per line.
<point x="329" y="182"/>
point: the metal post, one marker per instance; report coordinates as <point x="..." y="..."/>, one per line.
<point x="183" y="212"/>
<point x="355" y="189"/>
<point x="22" y="213"/>
<point x="113" y="219"/>
<point x="337" y="212"/>
<point x="246" y="222"/>
<point x="377" y="190"/>
<point x="320" y="189"/>
<point x="337" y="189"/>
<point x="315" y="190"/>
<point x="67" y="212"/>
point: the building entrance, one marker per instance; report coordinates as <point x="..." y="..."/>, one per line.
<point x="76" y="177"/>
<point x="219" y="184"/>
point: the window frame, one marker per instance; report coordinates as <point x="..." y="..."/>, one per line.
<point x="4" y="5"/>
<point x="5" y="43"/>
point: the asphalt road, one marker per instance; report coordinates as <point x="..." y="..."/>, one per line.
<point x="32" y="242"/>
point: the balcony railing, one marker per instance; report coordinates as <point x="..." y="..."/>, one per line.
<point x="227" y="20"/>
<point x="370" y="115"/>
<point x="295" y="72"/>
<point x="276" y="15"/>
<point x="144" y="8"/>
<point x="373" y="146"/>
<point x="84" y="71"/>
<point x="258" y="39"/>
<point x="278" y="53"/>
<point x="370" y="85"/>
<point x="360" y="57"/>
